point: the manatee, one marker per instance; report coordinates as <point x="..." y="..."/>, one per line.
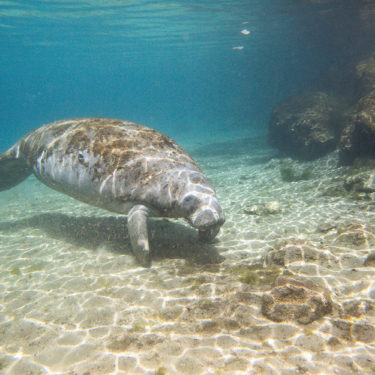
<point x="120" y="166"/>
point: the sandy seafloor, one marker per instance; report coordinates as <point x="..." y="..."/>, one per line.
<point x="74" y="301"/>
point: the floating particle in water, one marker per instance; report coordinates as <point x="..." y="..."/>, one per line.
<point x="245" y="23"/>
<point x="238" y="47"/>
<point x="245" y="32"/>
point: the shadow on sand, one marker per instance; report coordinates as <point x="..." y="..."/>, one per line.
<point x="168" y="239"/>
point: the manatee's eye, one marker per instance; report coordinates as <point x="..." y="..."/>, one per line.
<point x="197" y="179"/>
<point x="190" y="203"/>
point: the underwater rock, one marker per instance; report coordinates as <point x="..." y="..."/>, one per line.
<point x="289" y="174"/>
<point x="254" y="209"/>
<point x="296" y="299"/>
<point x="362" y="182"/>
<point x="268" y="208"/>
<point x="303" y="126"/>
<point x="289" y="253"/>
<point x="127" y="342"/>
<point x="334" y="190"/>
<point x="357" y="185"/>
<point x="364" y="332"/>
<point x="355" y="236"/>
<point x="189" y="365"/>
<point x="370" y="260"/>
<point x="358" y="139"/>
<point x="357" y="308"/>
<point x="326" y="227"/>
<point x="358" y="136"/>
<point x="365" y="75"/>
<point x="349" y="331"/>
<point x="272" y="207"/>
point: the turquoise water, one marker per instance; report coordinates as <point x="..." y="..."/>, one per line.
<point x="168" y="65"/>
<point x="288" y="285"/>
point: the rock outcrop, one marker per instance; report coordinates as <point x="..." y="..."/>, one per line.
<point x="363" y="182"/>
<point x="296" y="299"/>
<point x="365" y="76"/>
<point x="309" y="125"/>
<point x="358" y="139"/>
<point x="305" y="126"/>
<point x="261" y="209"/>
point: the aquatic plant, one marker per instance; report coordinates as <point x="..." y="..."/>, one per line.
<point x="288" y="174"/>
<point x="15" y="271"/>
<point x="139" y="327"/>
<point x="197" y="282"/>
<point x="249" y="277"/>
<point x="255" y="274"/>
<point x="161" y="371"/>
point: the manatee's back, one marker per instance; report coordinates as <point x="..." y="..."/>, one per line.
<point x="95" y="159"/>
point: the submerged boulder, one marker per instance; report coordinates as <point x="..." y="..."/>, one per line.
<point x="365" y="75"/>
<point x="305" y="126"/>
<point x="358" y="139"/>
<point x="294" y="298"/>
<point x="363" y="182"/>
<point x="268" y="208"/>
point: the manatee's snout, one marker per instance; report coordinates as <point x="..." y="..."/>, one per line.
<point x="200" y="207"/>
<point x="203" y="211"/>
<point x="208" y="218"/>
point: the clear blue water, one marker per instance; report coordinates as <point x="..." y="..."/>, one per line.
<point x="73" y="299"/>
<point x="168" y="65"/>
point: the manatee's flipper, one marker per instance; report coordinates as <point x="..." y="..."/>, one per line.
<point x="13" y="170"/>
<point x="137" y="227"/>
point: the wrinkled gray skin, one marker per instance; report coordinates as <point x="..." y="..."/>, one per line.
<point x="120" y="166"/>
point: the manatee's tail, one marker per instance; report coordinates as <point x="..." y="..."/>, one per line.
<point x="13" y="169"/>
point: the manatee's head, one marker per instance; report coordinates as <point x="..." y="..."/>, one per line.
<point x="204" y="213"/>
<point x="196" y="201"/>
